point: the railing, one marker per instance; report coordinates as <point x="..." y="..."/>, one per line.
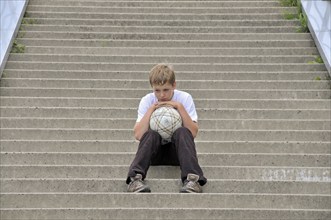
<point x="11" y="14"/>
<point x="319" y="23"/>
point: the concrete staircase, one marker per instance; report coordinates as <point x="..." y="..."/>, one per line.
<point x="68" y="105"/>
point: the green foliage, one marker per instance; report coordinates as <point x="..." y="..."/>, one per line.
<point x="318" y="78"/>
<point x="299" y="7"/>
<point x="290" y="16"/>
<point x="318" y="59"/>
<point x="289" y="3"/>
<point x="17" y="47"/>
<point x="21" y="34"/>
<point x="300" y="15"/>
<point x="29" y="21"/>
<point x="304" y="23"/>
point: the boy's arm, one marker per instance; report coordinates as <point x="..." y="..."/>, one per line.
<point x="143" y="125"/>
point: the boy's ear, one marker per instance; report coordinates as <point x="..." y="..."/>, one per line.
<point x="174" y="85"/>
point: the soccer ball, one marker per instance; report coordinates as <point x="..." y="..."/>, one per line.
<point x="165" y="120"/>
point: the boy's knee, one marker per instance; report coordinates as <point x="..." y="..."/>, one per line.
<point x="150" y="135"/>
<point x="182" y="132"/>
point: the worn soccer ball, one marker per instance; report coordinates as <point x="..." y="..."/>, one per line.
<point x="165" y="120"/>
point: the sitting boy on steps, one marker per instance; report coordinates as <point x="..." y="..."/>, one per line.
<point x="181" y="150"/>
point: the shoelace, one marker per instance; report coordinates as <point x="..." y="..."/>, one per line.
<point x="190" y="184"/>
<point x="136" y="182"/>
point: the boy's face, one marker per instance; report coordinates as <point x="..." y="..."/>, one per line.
<point x="164" y="92"/>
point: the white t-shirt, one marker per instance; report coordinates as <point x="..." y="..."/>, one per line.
<point x="179" y="96"/>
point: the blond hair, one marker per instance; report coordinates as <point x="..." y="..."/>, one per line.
<point x="161" y="74"/>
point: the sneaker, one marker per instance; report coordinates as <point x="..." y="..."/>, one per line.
<point x="191" y="184"/>
<point x="137" y="185"/>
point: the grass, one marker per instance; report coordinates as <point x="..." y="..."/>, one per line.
<point x="21" y="34"/>
<point x="29" y="21"/>
<point x="300" y="15"/>
<point x="289" y="3"/>
<point x="304" y="23"/>
<point x="318" y="59"/>
<point x="290" y="16"/>
<point x="17" y="47"/>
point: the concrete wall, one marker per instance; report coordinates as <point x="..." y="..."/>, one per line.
<point x="11" y="13"/>
<point x="319" y="23"/>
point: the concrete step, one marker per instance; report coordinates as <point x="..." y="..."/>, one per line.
<point x="127" y="123"/>
<point x="257" y="173"/>
<point x="159" y="29"/>
<point x="173" y="213"/>
<point x="204" y="113"/>
<point x="69" y="185"/>
<point x="158" y="16"/>
<point x="183" y="84"/>
<point x="263" y="67"/>
<point x="125" y="158"/>
<point x="37" y="2"/>
<point x="182" y="75"/>
<point x="151" y="51"/>
<point x="159" y="4"/>
<point x="160" y="23"/>
<point x="144" y="213"/>
<point x="68" y="105"/>
<point x="159" y="10"/>
<point x="104" y="59"/>
<point x="308" y="147"/>
<point x="12" y="101"/>
<point x="105" y="43"/>
<point x="138" y="93"/>
<point x="127" y="134"/>
<point x="158" y="200"/>
<point x="164" y="36"/>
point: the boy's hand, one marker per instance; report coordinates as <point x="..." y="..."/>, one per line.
<point x="173" y="104"/>
<point x="154" y="107"/>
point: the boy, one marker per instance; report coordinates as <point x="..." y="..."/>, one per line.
<point x="181" y="150"/>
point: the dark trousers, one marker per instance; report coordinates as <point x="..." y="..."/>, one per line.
<point x="179" y="152"/>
